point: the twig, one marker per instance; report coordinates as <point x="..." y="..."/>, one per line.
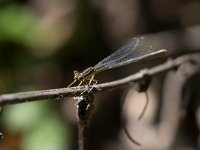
<point x="171" y="64"/>
<point x="145" y="106"/>
<point x="81" y="137"/>
<point x="129" y="136"/>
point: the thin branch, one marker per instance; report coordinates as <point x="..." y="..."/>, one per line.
<point x="145" y="106"/>
<point x="171" y="64"/>
<point x="81" y="145"/>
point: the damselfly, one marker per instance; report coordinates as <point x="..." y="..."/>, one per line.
<point x="135" y="50"/>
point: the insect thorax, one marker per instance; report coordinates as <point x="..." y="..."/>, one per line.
<point x="85" y="75"/>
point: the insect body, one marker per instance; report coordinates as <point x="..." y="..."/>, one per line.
<point x="135" y="50"/>
<point x="87" y="76"/>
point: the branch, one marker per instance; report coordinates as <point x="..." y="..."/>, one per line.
<point x="171" y="64"/>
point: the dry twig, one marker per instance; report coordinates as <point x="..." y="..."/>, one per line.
<point x="171" y="64"/>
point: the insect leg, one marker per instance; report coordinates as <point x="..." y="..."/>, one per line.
<point x="71" y="83"/>
<point x="94" y="83"/>
<point x="91" y="79"/>
<point x="86" y="83"/>
<point x="91" y="88"/>
<point x="80" y="83"/>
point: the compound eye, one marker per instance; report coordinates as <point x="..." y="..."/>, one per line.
<point x="76" y="74"/>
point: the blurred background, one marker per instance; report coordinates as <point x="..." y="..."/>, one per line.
<point x="43" y="41"/>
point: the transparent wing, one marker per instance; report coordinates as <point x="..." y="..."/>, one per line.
<point x="119" y="53"/>
<point x="135" y="50"/>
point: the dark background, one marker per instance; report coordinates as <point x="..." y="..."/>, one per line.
<point x="43" y="41"/>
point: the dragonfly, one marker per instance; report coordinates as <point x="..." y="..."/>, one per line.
<point x="134" y="51"/>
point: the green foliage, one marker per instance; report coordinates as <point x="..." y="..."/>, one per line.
<point x="40" y="129"/>
<point x="24" y="116"/>
<point x="50" y="135"/>
<point x="16" y="23"/>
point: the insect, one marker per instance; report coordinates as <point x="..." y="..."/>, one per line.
<point x="133" y="51"/>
